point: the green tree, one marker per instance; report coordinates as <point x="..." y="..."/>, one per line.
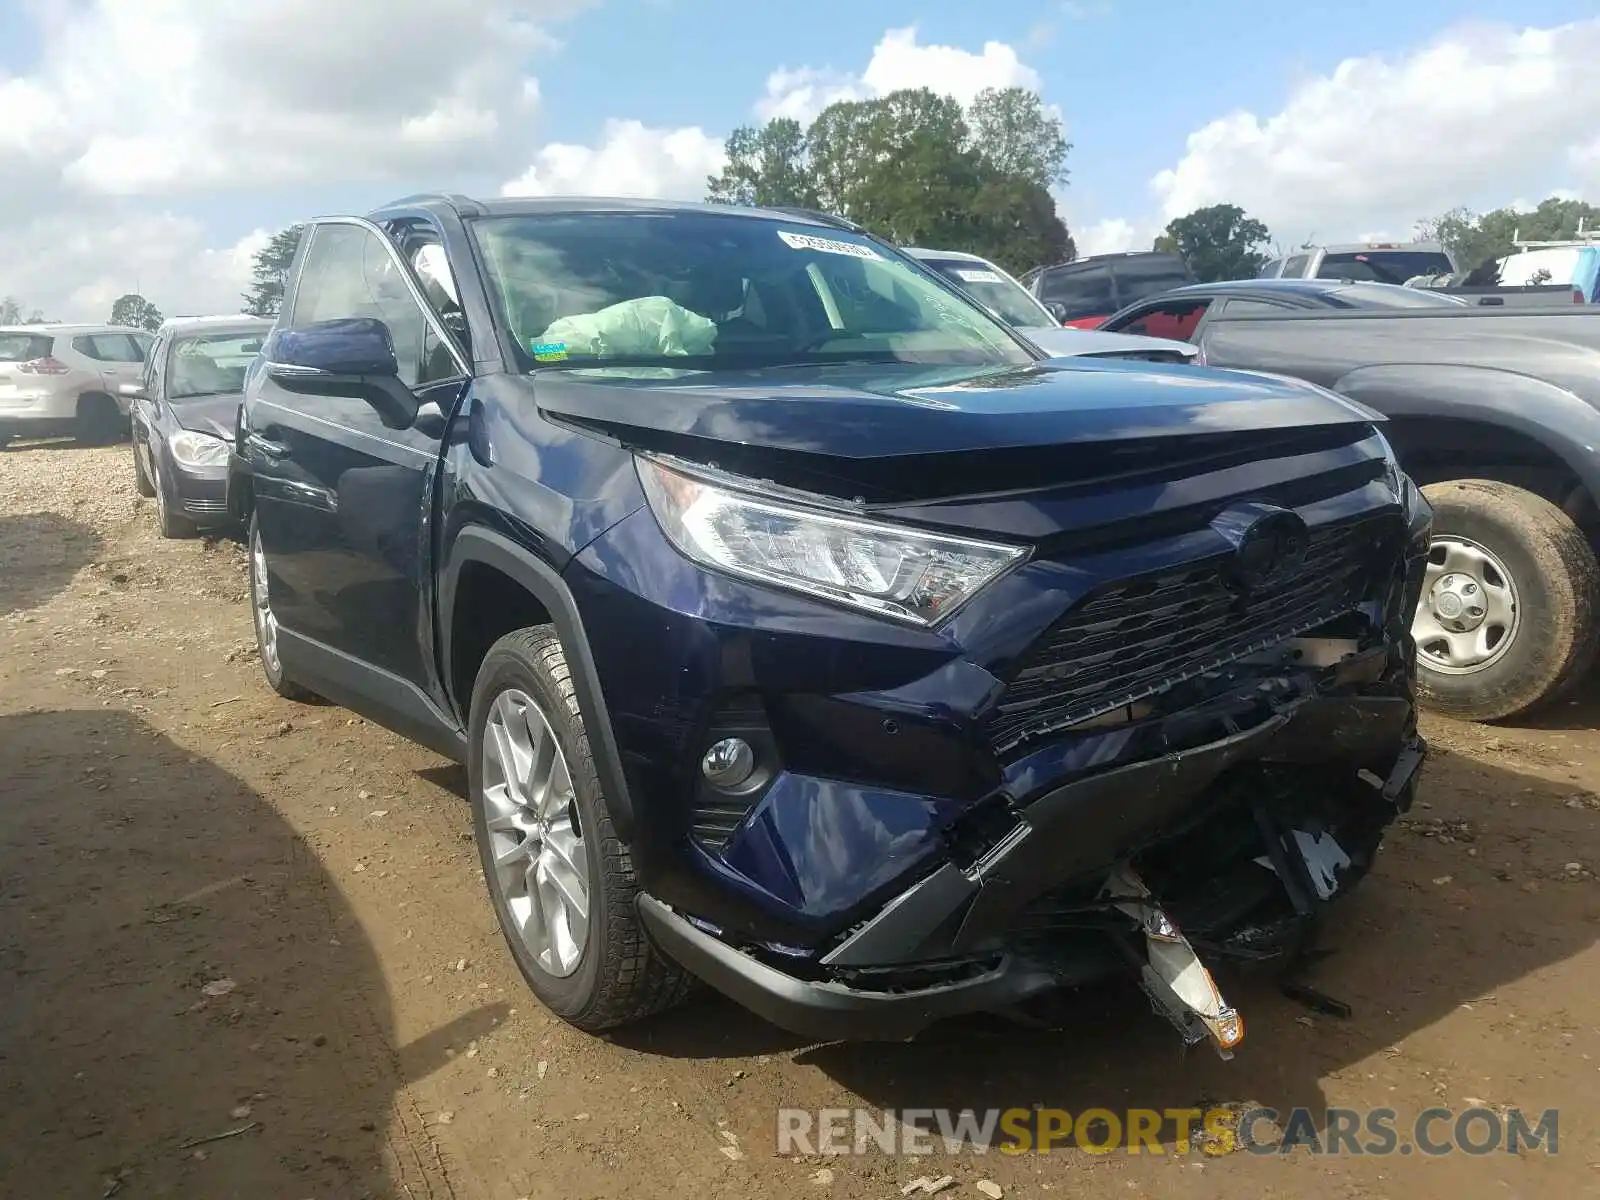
<point x="269" y="273"/>
<point x="1017" y="135"/>
<point x="1476" y="239"/>
<point x="14" y="312"/>
<point x="766" y="167"/>
<point x="1015" y="224"/>
<point x="913" y="168"/>
<point x="1218" y="242"/>
<point x="135" y="311"/>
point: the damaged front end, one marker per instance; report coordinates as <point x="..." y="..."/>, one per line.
<point x="1213" y="818"/>
<point x="1169" y="739"/>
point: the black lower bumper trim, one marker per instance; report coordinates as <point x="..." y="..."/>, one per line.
<point x="831" y="1011"/>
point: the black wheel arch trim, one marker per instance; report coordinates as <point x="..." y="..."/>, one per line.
<point x="475" y="544"/>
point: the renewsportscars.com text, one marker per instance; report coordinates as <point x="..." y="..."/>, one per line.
<point x="1432" y="1132"/>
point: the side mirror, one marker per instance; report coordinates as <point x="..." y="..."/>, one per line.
<point x="352" y="356"/>
<point x="131" y="391"/>
<point x="1058" y="310"/>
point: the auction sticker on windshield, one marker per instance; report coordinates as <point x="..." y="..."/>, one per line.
<point x="805" y="241"/>
<point x="977" y="277"/>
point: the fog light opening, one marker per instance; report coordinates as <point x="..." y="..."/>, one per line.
<point x="729" y="763"/>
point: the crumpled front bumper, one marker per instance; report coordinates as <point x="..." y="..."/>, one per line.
<point x="947" y="945"/>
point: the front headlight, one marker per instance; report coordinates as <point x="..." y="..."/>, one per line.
<point x="884" y="569"/>
<point x="191" y="449"/>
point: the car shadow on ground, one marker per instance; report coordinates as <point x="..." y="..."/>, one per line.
<point x="1434" y="928"/>
<point x="191" y="1007"/>
<point x="42" y="552"/>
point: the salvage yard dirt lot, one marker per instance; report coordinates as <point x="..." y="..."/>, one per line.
<point x="247" y="953"/>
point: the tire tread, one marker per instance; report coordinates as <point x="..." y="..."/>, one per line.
<point x="1568" y="568"/>
<point x="636" y="979"/>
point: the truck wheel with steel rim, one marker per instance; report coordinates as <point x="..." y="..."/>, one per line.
<point x="1510" y="611"/>
<point x="267" y="623"/>
<point x="561" y="881"/>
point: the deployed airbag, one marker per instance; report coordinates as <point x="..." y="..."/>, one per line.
<point x="648" y="326"/>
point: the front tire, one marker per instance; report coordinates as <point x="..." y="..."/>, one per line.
<point x="141" y="478"/>
<point x="1510" y="611"/>
<point x="560" y="880"/>
<point x="172" y="524"/>
<point x="267" y="623"/>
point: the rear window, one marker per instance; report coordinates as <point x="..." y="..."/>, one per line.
<point x="24" y="347"/>
<point x="110" y="347"/>
<point x="1081" y="291"/>
<point x="1295" y="268"/>
<point x="1384" y="266"/>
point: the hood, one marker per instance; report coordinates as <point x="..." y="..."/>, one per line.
<point x="1059" y="341"/>
<point x="882" y="431"/>
<point x="216" y="415"/>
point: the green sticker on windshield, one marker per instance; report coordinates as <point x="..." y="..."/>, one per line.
<point x="549" y="351"/>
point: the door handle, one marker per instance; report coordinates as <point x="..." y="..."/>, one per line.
<point x="276" y="451"/>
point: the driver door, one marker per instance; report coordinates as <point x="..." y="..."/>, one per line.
<point x="344" y="501"/>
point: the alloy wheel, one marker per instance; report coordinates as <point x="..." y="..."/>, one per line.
<point x="540" y="865"/>
<point x="266" y="623"/>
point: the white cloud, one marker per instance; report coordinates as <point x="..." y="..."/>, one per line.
<point x="73" y="269"/>
<point x="1109" y="236"/>
<point x="1383" y="141"/>
<point x="183" y="95"/>
<point x="898" y="61"/>
<point x="632" y="159"/>
<point x="181" y="98"/>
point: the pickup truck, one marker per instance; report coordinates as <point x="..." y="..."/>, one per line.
<point x="1496" y="413"/>
<point x="806" y="630"/>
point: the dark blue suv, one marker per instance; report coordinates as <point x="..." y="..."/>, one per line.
<point x="805" y="630"/>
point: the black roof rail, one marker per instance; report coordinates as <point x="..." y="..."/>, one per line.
<point x="826" y="218"/>
<point x="465" y="205"/>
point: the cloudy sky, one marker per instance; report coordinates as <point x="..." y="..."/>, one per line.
<point x="155" y="144"/>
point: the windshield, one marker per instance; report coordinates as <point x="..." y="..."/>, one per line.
<point x="1367" y="295"/>
<point x="995" y="290"/>
<point x="1384" y="266"/>
<point x="699" y="289"/>
<point x="211" y="364"/>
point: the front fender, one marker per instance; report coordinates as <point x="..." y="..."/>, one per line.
<point x="476" y="544"/>
<point x="1560" y="420"/>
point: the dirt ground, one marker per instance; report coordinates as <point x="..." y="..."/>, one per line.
<point x="247" y="953"/>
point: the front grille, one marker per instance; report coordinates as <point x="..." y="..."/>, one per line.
<point x="205" y="506"/>
<point x="1137" y="637"/>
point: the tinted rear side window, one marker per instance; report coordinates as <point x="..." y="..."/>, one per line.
<point x="1082" y="291"/>
<point x="1295" y="268"/>
<point x="23" y="347"/>
<point x="1141" y="277"/>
